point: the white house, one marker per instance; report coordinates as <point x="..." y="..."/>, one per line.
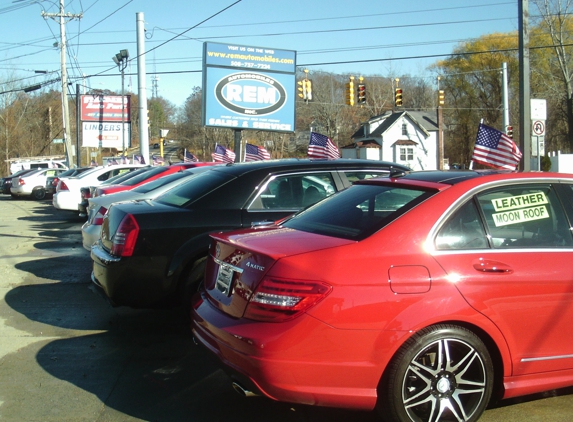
<point x="404" y="137"/>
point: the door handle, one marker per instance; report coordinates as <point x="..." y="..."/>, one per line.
<point x="489" y="266"/>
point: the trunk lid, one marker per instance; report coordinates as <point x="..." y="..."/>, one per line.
<point x="239" y="261"/>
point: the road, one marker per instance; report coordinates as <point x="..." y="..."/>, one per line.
<point x="67" y="355"/>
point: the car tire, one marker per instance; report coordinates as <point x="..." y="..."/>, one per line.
<point x="443" y="372"/>
<point x="39" y="193"/>
<point x="192" y="281"/>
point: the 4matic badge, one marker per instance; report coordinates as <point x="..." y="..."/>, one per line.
<point x="250" y="93"/>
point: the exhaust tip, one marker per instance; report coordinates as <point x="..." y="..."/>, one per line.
<point x="242" y="390"/>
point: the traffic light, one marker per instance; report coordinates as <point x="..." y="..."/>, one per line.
<point x="398" y="98"/>
<point x="441" y="97"/>
<point x="361" y="94"/>
<point x="302" y="89"/>
<point x="509" y="131"/>
<point x="350" y="92"/>
<point x="308" y="90"/>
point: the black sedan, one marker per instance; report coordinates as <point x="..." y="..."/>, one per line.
<point x="151" y="252"/>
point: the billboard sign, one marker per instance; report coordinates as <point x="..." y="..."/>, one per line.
<point x="105" y="135"/>
<point x="248" y="87"/>
<point x="105" y="108"/>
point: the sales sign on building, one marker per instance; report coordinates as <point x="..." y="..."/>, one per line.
<point x="102" y="117"/>
<point x="248" y="87"/>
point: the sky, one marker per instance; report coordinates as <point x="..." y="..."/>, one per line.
<point x="370" y="37"/>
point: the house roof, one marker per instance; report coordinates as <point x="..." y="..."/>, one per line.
<point x="424" y="120"/>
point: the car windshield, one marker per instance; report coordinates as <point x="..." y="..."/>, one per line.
<point x="191" y="190"/>
<point x="358" y="211"/>
<point x="162" y="181"/>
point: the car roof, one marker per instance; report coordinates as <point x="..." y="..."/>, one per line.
<point x="450" y="177"/>
<point x="237" y="169"/>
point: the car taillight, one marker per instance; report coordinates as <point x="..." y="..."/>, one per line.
<point x="21" y="181"/>
<point x="55" y="182"/>
<point x="277" y="300"/>
<point x="123" y="241"/>
<point x="98" y="217"/>
<point x="62" y="186"/>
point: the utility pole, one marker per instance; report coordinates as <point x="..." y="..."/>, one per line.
<point x="141" y="75"/>
<point x="65" y="106"/>
<point x="524" y="86"/>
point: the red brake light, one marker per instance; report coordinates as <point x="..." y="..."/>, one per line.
<point x="21" y="181"/>
<point x="55" y="181"/>
<point x="98" y="217"/>
<point x="124" y="239"/>
<point x="278" y="300"/>
<point x="62" y="186"/>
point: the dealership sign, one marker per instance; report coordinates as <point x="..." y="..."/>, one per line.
<point x="105" y="135"/>
<point x="106" y="108"/>
<point x="248" y="87"/>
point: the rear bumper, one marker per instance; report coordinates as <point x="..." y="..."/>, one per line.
<point x="90" y="235"/>
<point x="65" y="200"/>
<point x="300" y="361"/>
<point x="138" y="282"/>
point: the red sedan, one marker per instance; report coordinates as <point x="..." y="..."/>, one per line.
<point x="424" y="296"/>
<point x="148" y="176"/>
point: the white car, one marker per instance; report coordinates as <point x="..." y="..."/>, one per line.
<point x="68" y="195"/>
<point x="98" y="206"/>
<point x="34" y="183"/>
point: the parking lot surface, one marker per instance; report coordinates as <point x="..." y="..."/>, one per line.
<point x="67" y="355"/>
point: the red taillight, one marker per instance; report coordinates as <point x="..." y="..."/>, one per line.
<point x="21" y="181"/>
<point x="55" y="182"/>
<point x="62" y="186"/>
<point x="277" y="300"/>
<point x="123" y="241"/>
<point x="98" y="217"/>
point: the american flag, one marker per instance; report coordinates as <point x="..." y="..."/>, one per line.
<point x="158" y="160"/>
<point x="321" y="146"/>
<point x="93" y="164"/>
<point x="189" y="157"/>
<point x="256" y="153"/>
<point x="496" y="149"/>
<point x="223" y="155"/>
<point x="112" y="162"/>
<point x="124" y="159"/>
<point x="138" y="159"/>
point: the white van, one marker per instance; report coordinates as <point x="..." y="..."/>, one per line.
<point x="37" y="163"/>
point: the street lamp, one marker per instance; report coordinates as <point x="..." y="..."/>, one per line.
<point x="120" y="59"/>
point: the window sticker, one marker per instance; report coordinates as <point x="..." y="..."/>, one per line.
<point x="519" y="209"/>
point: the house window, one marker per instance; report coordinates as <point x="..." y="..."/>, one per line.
<point x="404" y="129"/>
<point x="406" y="154"/>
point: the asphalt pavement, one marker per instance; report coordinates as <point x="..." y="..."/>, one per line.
<point x="67" y="355"/>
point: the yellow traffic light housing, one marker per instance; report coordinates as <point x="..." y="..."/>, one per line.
<point x="302" y="89"/>
<point x="441" y="97"/>
<point x="398" y="97"/>
<point x="350" y="92"/>
<point x="308" y="90"/>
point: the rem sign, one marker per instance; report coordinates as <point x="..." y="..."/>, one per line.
<point x="248" y="87"/>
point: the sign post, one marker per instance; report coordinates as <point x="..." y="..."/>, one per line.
<point x="538" y="118"/>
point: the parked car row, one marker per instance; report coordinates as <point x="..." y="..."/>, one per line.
<point x="351" y="283"/>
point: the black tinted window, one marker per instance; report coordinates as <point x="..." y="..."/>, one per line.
<point x="358" y="211"/>
<point x="190" y="191"/>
